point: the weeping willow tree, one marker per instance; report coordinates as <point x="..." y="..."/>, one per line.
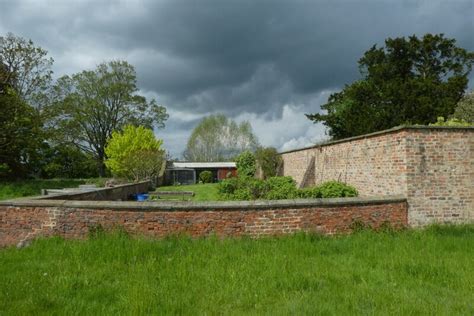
<point x="218" y="138"/>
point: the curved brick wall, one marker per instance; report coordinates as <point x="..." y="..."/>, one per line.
<point x="25" y="220"/>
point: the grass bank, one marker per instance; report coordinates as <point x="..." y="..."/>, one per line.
<point x="16" y="189"/>
<point x="202" y="192"/>
<point x="408" y="273"/>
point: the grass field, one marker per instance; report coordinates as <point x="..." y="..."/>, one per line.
<point x="427" y="272"/>
<point x="16" y="189"/>
<point x="202" y="192"/>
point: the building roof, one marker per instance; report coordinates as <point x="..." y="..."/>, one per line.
<point x="192" y="165"/>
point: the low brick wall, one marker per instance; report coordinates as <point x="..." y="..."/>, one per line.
<point x="25" y="220"/>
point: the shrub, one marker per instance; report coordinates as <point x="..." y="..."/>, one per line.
<point x="241" y="188"/>
<point x="268" y="161"/>
<point x="334" y="189"/>
<point x="310" y="193"/>
<point x="451" y="122"/>
<point x="246" y="165"/>
<point x="206" y="176"/>
<point x="278" y="188"/>
<point x="227" y="187"/>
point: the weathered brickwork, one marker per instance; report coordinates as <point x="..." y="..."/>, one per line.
<point x="432" y="167"/>
<point x="18" y="224"/>
<point x="440" y="174"/>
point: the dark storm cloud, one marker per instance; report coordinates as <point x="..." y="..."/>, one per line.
<point x="233" y="57"/>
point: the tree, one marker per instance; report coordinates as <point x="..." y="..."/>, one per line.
<point x="20" y="136"/>
<point x="409" y="81"/>
<point x="465" y="108"/>
<point x="89" y="106"/>
<point x="246" y="164"/>
<point x="63" y="161"/>
<point x="217" y="138"/>
<point x="268" y="161"/>
<point x="135" y="153"/>
<point x="26" y="68"/>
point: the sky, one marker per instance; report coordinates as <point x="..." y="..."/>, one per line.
<point x="265" y="61"/>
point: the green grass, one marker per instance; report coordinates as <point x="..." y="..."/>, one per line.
<point x="202" y="192"/>
<point x="427" y="272"/>
<point x="16" y="189"/>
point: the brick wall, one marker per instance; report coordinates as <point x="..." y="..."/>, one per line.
<point x="432" y="167"/>
<point x="71" y="219"/>
<point x="440" y="176"/>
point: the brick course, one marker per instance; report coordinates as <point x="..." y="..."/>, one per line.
<point x="20" y="223"/>
<point x="432" y="166"/>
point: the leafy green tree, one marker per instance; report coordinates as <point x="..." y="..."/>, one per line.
<point x="268" y="161"/>
<point x="89" y="106"/>
<point x="27" y="69"/>
<point x="217" y="138"/>
<point x="135" y="153"/>
<point x="409" y="81"/>
<point x="246" y="164"/>
<point x="20" y="136"/>
<point x="465" y="108"/>
<point x="63" y="161"/>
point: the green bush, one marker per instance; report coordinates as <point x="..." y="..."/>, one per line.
<point x="206" y="177"/>
<point x="241" y="188"/>
<point x="451" y="122"/>
<point x="280" y="188"/>
<point x="310" y="193"/>
<point x="334" y="189"/>
<point x="246" y="165"/>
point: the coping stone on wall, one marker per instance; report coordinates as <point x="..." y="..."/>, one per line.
<point x="387" y="131"/>
<point x="200" y="205"/>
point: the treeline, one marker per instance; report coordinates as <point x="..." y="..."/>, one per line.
<point x="60" y="128"/>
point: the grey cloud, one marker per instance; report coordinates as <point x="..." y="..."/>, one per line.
<point x="235" y="56"/>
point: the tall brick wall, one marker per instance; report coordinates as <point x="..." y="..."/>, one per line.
<point x="21" y="223"/>
<point x="440" y="174"/>
<point x="432" y="167"/>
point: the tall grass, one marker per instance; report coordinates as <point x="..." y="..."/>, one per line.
<point x="15" y="189"/>
<point x="409" y="273"/>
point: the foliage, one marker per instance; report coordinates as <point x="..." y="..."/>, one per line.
<point x="411" y="272"/>
<point x="241" y="188"/>
<point x="63" y="161"/>
<point x="310" y="193"/>
<point x="89" y="106"/>
<point x="206" y="176"/>
<point x="268" y="161"/>
<point x="135" y="153"/>
<point x="218" y="138"/>
<point x="465" y="108"/>
<point x="20" y="136"/>
<point x="246" y="164"/>
<point x="334" y="189"/>
<point x="409" y="81"/>
<point x="279" y="188"/>
<point x="26" y="68"/>
<point x="451" y="122"/>
<point x="16" y="189"/>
